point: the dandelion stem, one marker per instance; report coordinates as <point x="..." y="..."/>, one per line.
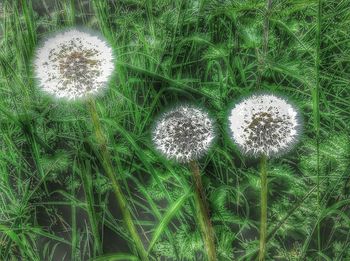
<point x="203" y="213"/>
<point x="263" y="206"/>
<point x="107" y="165"/>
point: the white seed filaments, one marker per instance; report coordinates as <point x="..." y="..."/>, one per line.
<point x="184" y="133"/>
<point x="264" y="124"/>
<point x="74" y="64"/>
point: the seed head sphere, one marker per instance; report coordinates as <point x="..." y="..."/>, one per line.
<point x="264" y="124"/>
<point x="73" y="64"/>
<point x="184" y="133"/>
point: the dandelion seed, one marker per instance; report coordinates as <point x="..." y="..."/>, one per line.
<point x="264" y="124"/>
<point x="74" y="64"/>
<point x="184" y="133"/>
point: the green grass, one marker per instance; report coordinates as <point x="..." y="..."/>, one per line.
<point x="56" y="202"/>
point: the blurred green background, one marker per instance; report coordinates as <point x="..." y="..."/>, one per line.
<point x="209" y="52"/>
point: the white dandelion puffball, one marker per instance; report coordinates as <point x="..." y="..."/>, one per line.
<point x="264" y="124"/>
<point x="73" y="64"/>
<point x="184" y="133"/>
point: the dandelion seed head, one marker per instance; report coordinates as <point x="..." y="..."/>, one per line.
<point x="73" y="64"/>
<point x="264" y="124"/>
<point x="184" y="133"/>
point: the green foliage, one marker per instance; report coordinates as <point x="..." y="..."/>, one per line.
<point x="206" y="52"/>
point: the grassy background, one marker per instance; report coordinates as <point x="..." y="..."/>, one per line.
<point x="206" y="52"/>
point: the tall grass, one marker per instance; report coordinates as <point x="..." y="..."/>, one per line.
<point x="207" y="52"/>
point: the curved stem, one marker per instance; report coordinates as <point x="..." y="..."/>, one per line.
<point x="107" y="165"/>
<point x="263" y="206"/>
<point x="203" y="213"/>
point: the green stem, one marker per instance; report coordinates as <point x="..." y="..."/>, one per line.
<point x="107" y="165"/>
<point x="316" y="110"/>
<point x="74" y="223"/>
<point x="203" y="213"/>
<point x="263" y="218"/>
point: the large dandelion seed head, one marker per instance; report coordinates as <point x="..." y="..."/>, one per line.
<point x="184" y="133"/>
<point x="74" y="64"/>
<point x="264" y="124"/>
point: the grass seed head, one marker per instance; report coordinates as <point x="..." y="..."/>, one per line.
<point x="264" y="124"/>
<point x="184" y="133"/>
<point x="73" y="64"/>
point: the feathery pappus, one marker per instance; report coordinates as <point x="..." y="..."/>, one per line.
<point x="264" y="124"/>
<point x="73" y="64"/>
<point x="184" y="133"/>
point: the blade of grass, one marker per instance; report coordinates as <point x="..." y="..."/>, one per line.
<point x="170" y="213"/>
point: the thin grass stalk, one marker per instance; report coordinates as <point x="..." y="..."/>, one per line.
<point x="69" y="6"/>
<point x="87" y="185"/>
<point x="107" y="165"/>
<point x="316" y="111"/>
<point x="266" y="28"/>
<point x="203" y="213"/>
<point x="74" y="222"/>
<point x="263" y="208"/>
<point x="36" y="156"/>
<point x="28" y="16"/>
<point x="101" y="8"/>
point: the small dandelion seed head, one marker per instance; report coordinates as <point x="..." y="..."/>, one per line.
<point x="184" y="133"/>
<point x="264" y="124"/>
<point x="74" y="64"/>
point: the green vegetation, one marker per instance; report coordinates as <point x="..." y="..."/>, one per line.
<point x="56" y="201"/>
